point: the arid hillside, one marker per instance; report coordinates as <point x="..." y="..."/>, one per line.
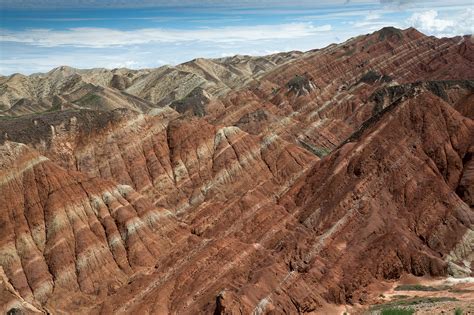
<point x="294" y="183"/>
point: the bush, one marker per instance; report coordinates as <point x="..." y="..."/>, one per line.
<point x="371" y="77"/>
<point x="318" y="151"/>
<point x="402" y="305"/>
<point x="397" y="311"/>
<point x="418" y="287"/>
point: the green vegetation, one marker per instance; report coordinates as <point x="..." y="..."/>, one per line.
<point x="401" y="296"/>
<point x="349" y="52"/>
<point x="419" y="287"/>
<point x="88" y="99"/>
<point x="297" y="82"/>
<point x="321" y="152"/>
<point x="368" y="44"/>
<point x="406" y="304"/>
<point x="421" y="300"/>
<point x="458" y="311"/>
<point x="397" y="311"/>
<point x="318" y="151"/>
<point x="372" y="76"/>
<point x="56" y="106"/>
<point x="461" y="291"/>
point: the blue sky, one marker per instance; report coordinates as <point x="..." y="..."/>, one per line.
<point x="38" y="35"/>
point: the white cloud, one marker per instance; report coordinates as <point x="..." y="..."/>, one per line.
<point x="429" y="22"/>
<point x="373" y="16"/>
<point x="104" y="37"/>
<point x="372" y="21"/>
<point x="373" y="25"/>
<point x="41" y="62"/>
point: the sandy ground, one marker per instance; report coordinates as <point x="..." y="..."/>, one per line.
<point x="460" y="290"/>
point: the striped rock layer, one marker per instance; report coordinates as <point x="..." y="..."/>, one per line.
<point x="280" y="184"/>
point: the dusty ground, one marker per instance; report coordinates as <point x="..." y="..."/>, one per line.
<point x="424" y="296"/>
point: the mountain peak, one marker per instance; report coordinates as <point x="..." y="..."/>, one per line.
<point x="389" y="33"/>
<point x="62" y="72"/>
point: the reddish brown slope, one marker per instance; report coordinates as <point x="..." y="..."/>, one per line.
<point x="179" y="163"/>
<point x="265" y="224"/>
<point x="324" y="96"/>
<point x="66" y="238"/>
<point x="207" y="175"/>
<point x="375" y="209"/>
<point x="399" y="212"/>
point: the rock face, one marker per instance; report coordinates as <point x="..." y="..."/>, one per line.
<point x="277" y="184"/>
<point x="64" y="232"/>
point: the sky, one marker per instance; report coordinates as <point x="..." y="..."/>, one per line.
<point x="38" y="35"/>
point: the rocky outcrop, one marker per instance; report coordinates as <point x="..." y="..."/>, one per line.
<point x="372" y="76"/>
<point x="301" y="85"/>
<point x="120" y="82"/>
<point x="194" y="103"/>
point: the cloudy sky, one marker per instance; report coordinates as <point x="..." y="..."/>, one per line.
<point x="38" y="35"/>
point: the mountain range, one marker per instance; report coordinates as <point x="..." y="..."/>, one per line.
<point x="300" y="182"/>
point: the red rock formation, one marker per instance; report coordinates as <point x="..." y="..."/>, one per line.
<point x="337" y="103"/>
<point x="64" y="232"/>
<point x="317" y="176"/>
<point x="370" y="211"/>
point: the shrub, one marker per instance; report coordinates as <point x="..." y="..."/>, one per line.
<point x="418" y="287"/>
<point x="397" y="311"/>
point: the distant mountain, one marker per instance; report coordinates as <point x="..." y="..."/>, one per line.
<point x="65" y="87"/>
